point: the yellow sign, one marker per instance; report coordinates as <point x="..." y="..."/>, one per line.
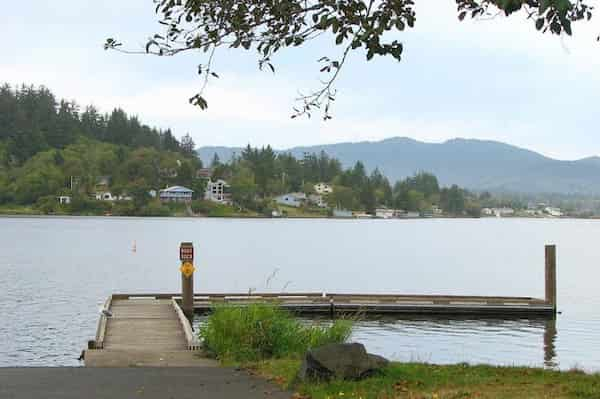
<point x="187" y="269"/>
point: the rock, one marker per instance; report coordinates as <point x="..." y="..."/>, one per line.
<point x="344" y="361"/>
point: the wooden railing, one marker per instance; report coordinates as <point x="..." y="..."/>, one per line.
<point x="192" y="341"/>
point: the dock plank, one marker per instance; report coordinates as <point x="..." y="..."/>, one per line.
<point x="143" y="332"/>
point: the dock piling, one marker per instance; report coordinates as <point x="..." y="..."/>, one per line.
<point x="186" y="255"/>
<point x="551" y="275"/>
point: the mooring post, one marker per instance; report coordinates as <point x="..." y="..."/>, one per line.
<point x="186" y="255"/>
<point x="551" y="275"/>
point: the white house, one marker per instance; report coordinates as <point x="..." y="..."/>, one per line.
<point x="385" y="213"/>
<point x="105" y="196"/>
<point x="217" y="191"/>
<point x="500" y="212"/>
<point x="554" y="212"/>
<point x="291" y="199"/>
<point x="323" y="188"/>
<point x="176" y="194"/>
<point x="64" y="200"/>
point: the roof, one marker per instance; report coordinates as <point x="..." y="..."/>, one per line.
<point x="176" y="189"/>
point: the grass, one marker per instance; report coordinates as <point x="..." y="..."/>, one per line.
<point x="12" y="209"/>
<point x="425" y="381"/>
<point x="270" y="342"/>
<point x="258" y="332"/>
<point x="302" y="212"/>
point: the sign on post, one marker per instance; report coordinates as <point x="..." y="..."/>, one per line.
<point x="187" y="269"/>
<point x="186" y="255"/>
<point x="186" y="252"/>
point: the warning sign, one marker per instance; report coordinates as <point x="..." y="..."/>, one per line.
<point x="187" y="269"/>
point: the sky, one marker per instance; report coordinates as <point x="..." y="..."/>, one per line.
<point x="493" y="79"/>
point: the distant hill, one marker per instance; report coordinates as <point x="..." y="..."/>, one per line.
<point x="475" y="164"/>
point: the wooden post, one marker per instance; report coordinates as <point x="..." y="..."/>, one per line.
<point x="551" y="275"/>
<point x="186" y="255"/>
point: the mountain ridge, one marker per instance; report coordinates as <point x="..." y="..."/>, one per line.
<point x="472" y="163"/>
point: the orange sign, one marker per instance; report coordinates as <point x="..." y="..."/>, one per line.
<point x="187" y="269"/>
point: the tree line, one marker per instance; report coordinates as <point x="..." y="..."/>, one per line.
<point x="33" y="120"/>
<point x="50" y="147"/>
<point x="258" y="174"/>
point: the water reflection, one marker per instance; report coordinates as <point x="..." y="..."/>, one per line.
<point x="448" y="340"/>
<point x="550" y="334"/>
<point x="515" y="341"/>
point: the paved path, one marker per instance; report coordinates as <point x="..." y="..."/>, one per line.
<point x="134" y="383"/>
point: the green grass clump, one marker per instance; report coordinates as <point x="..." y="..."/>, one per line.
<point x="258" y="332"/>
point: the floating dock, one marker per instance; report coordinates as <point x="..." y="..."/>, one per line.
<point x="155" y="329"/>
<point x="337" y="304"/>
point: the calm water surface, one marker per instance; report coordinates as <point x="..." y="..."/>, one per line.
<point x="56" y="272"/>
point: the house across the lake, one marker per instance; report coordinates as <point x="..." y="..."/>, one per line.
<point x="105" y="196"/>
<point x="291" y="199"/>
<point x="64" y="199"/>
<point x="204" y="173"/>
<point x="176" y="194"/>
<point x="217" y="191"/>
<point x="323" y="188"/>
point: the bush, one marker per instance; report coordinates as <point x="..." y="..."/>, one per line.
<point x="259" y="332"/>
<point x="82" y="205"/>
<point x="47" y="204"/>
<point x="155" y="209"/>
<point x="202" y="207"/>
<point x="212" y="209"/>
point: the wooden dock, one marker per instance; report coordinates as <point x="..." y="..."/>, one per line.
<point x="154" y="329"/>
<point x="143" y="331"/>
<point x="336" y="304"/>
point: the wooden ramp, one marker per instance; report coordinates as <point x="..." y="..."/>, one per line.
<point x="143" y="331"/>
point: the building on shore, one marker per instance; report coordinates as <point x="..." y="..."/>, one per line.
<point x="294" y="200"/>
<point x="498" y="212"/>
<point x="323" y="188"/>
<point x="204" y="173"/>
<point x="385" y="213"/>
<point x="552" y="211"/>
<point x="176" y="194"/>
<point x="217" y="191"/>
<point x="104" y="196"/>
<point x="64" y="199"/>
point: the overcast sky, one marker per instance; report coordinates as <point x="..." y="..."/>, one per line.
<point x="497" y="80"/>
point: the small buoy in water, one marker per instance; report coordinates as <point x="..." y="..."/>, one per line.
<point x="134" y="249"/>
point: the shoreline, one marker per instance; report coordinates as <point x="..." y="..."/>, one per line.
<point x="26" y="215"/>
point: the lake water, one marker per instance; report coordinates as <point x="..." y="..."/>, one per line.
<point x="56" y="272"/>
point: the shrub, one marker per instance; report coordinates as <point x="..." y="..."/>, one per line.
<point x="259" y="332"/>
<point x="155" y="209"/>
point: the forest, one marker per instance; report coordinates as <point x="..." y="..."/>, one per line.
<point x="51" y="147"/>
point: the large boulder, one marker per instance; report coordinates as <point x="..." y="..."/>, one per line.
<point x="343" y="361"/>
